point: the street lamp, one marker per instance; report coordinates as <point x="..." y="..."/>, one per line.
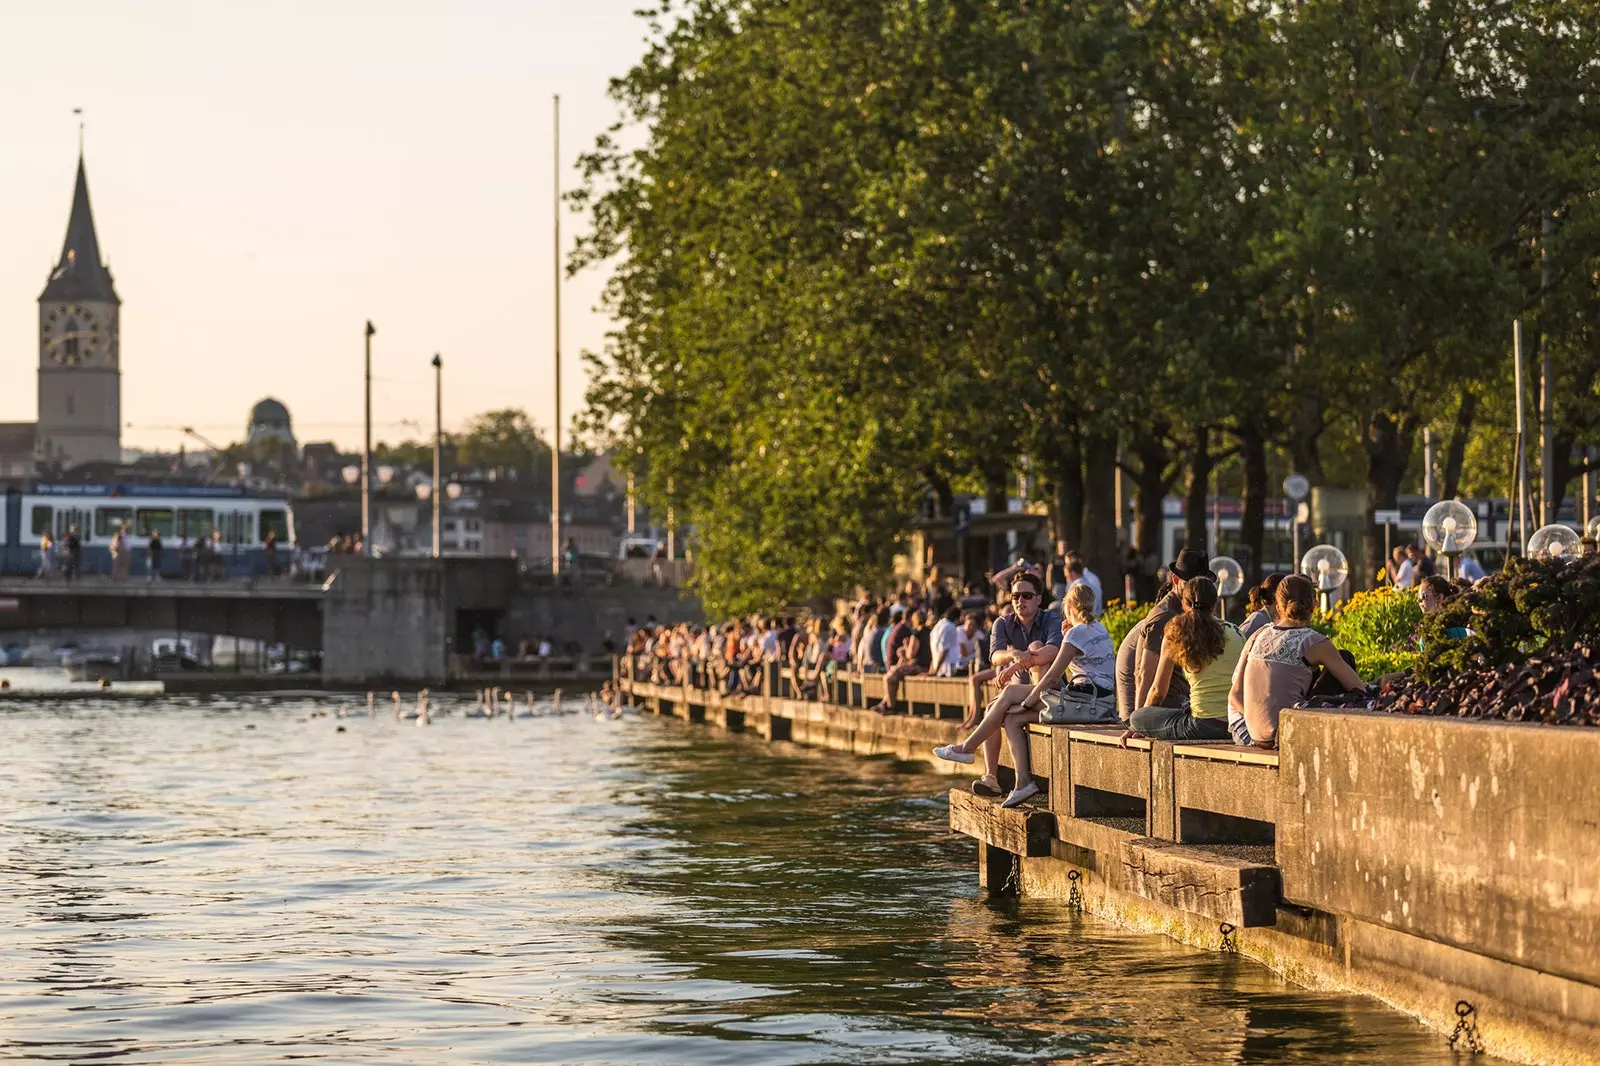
<point x="1449" y="528"/>
<point x="1229" y="576"/>
<point x="438" y="441"/>
<point x="1327" y="567"/>
<point x="351" y="474"/>
<point x="1554" y="541"/>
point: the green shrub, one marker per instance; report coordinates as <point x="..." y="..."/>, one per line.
<point x="1379" y="628"/>
<point x="1119" y="617"/>
<point x="1530" y="605"/>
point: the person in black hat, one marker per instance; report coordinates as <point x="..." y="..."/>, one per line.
<point x="1140" y="651"/>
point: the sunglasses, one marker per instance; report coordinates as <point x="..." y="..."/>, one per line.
<point x="1024" y="595"/>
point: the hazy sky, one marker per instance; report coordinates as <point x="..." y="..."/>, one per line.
<point x="266" y="177"/>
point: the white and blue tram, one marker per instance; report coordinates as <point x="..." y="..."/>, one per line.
<point x="184" y="515"/>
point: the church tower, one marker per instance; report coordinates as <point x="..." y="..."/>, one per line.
<point x="80" y="379"/>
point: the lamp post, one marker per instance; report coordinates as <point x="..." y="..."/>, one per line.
<point x="555" y="432"/>
<point x="366" y="452"/>
<point x="438" y="442"/>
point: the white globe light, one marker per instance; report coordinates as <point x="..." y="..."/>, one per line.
<point x="1449" y="527"/>
<point x="385" y="474"/>
<point x="1592" y="530"/>
<point x="453" y="490"/>
<point x="351" y="474"/>
<point x="1327" y="566"/>
<point x="1229" y="575"/>
<point x="1554" y="541"/>
<point x="424" y="490"/>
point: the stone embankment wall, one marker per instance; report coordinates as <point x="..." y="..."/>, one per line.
<point x="1447" y="867"/>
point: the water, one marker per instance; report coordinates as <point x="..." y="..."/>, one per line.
<point x="230" y="881"/>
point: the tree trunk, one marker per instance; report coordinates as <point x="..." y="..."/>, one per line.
<point x="1389" y="440"/>
<point x="1100" y="509"/>
<point x="1304" y="442"/>
<point x="1151" y="485"/>
<point x="1197" y="490"/>
<point x="1252" y="519"/>
<point x="1456" y="451"/>
<point x="944" y="498"/>
<point x="1067" y="470"/>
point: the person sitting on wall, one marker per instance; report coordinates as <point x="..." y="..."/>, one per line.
<point x="1140" y="651"/>
<point x="1085" y="655"/>
<point x="1278" y="666"/>
<point x="914" y="658"/>
<point x="1028" y="637"/>
<point x="1261" y="604"/>
<point x="1207" y="650"/>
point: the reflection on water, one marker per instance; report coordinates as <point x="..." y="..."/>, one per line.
<point x="234" y="881"/>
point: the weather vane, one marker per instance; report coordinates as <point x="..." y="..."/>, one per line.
<point x="79" y="112"/>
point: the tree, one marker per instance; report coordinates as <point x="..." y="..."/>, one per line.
<point x="505" y="441"/>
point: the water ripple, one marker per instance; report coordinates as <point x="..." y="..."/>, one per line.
<point x="235" y="881"/>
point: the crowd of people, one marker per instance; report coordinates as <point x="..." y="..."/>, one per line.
<point x="1182" y="673"/>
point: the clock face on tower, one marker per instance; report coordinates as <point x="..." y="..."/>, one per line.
<point x="73" y="335"/>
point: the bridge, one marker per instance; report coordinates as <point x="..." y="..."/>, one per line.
<point x="276" y="612"/>
<point x="401" y="620"/>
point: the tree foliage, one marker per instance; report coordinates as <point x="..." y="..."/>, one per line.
<point x="871" y="249"/>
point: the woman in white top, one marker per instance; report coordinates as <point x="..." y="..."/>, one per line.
<point x="1087" y="652"/>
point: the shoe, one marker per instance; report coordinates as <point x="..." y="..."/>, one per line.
<point x="1021" y="795"/>
<point x="981" y="787"/>
<point x="948" y="753"/>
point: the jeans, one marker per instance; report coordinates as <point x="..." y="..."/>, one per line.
<point x="1176" y="723"/>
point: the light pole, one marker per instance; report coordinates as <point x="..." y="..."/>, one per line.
<point x="555" y="434"/>
<point x="366" y="453"/>
<point x="438" y="442"/>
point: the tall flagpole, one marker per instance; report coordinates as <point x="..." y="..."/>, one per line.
<point x="555" y="434"/>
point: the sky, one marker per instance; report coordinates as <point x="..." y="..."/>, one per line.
<point x="267" y="177"/>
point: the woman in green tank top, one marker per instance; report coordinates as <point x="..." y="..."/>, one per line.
<point x="1207" y="650"/>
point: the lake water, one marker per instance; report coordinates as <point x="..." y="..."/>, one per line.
<point x="233" y="881"/>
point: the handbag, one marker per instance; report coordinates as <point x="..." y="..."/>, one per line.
<point x="1078" y="703"/>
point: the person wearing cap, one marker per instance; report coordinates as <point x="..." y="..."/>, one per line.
<point x="1140" y="652"/>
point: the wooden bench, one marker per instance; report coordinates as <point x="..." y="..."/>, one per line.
<point x="1096" y="776"/>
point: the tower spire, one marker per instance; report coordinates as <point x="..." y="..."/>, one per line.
<point x="80" y="274"/>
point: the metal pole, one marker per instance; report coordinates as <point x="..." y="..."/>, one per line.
<point x="366" y="453"/>
<point x="1427" y="463"/>
<point x="1216" y="502"/>
<point x="555" y="433"/>
<point x="1586" y="512"/>
<point x="1548" y="504"/>
<point x="631" y="520"/>
<point x="438" y="446"/>
<point x="1520" y="483"/>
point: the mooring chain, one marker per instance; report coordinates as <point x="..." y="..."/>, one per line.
<point x="1074" y="896"/>
<point x="1229" y="946"/>
<point x="1011" y="887"/>
<point x="1466" y="1031"/>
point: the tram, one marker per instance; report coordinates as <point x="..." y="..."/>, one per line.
<point x="184" y="515"/>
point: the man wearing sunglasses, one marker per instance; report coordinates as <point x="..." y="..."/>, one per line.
<point x="1027" y="634"/>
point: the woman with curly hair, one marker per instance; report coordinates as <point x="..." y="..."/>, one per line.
<point x="1207" y="650"/>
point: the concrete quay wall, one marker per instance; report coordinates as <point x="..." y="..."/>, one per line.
<point x="1431" y="863"/>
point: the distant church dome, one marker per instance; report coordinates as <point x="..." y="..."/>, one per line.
<point x="269" y="420"/>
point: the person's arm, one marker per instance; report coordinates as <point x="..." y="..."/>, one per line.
<point x="1000" y="578"/>
<point x="1163" y="679"/>
<point x="1064" y="656"/>
<point x="1236" y="691"/>
<point x="1324" y="653"/>
<point x="1145" y="675"/>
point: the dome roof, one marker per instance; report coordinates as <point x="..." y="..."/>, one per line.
<point x="269" y="412"/>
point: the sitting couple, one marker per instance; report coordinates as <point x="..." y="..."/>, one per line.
<point x="1077" y="647"/>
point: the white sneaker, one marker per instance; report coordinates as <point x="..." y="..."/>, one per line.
<point x="948" y="753"/>
<point x="1021" y="795"/>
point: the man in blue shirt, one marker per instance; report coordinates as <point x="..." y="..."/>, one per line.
<point x="1028" y="631"/>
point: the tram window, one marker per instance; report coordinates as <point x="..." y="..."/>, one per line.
<point x="196" y="523"/>
<point x="155" y="519"/>
<point x="276" y="521"/>
<point x="41" y="520"/>
<point x="107" y="520"/>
